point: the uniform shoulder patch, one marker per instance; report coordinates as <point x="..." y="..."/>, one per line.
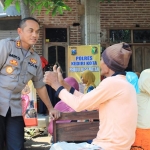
<point x="10" y="39"/>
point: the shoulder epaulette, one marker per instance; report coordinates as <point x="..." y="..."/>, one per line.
<point x="10" y="39"/>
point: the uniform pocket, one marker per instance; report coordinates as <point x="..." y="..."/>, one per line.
<point x="10" y="71"/>
<point x="31" y="72"/>
<point x="9" y="76"/>
<point x="11" y="67"/>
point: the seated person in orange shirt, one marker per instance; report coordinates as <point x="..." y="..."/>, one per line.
<point x="114" y="98"/>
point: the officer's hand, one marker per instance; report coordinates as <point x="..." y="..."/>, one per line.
<point x="54" y="114"/>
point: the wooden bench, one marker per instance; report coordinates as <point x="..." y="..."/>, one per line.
<point x="76" y="131"/>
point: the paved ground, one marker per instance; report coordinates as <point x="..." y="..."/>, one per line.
<point x="39" y="143"/>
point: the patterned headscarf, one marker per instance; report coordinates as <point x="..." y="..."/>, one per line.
<point x="89" y="78"/>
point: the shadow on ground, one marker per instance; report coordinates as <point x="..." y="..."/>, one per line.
<point x="38" y="143"/>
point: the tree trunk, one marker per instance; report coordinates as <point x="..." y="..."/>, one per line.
<point x="25" y="11"/>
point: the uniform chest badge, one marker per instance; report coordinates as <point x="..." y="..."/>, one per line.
<point x="13" y="62"/>
<point x="32" y="60"/>
<point x="9" y="69"/>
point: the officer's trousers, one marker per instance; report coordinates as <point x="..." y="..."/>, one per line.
<point x="11" y="132"/>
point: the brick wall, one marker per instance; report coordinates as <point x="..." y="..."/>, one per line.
<point x="117" y="14"/>
<point x="124" y="13"/>
<point x="66" y="20"/>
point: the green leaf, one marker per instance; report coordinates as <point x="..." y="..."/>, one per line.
<point x="32" y="2"/>
<point x="39" y="7"/>
<point x="54" y="11"/>
<point x="46" y="4"/>
<point x="26" y="1"/>
<point x="17" y="4"/>
<point x="60" y="3"/>
<point x="48" y="11"/>
<point x="7" y="3"/>
<point x="60" y="10"/>
<point x="51" y="4"/>
<point x="66" y="7"/>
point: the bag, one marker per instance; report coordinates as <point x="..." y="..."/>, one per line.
<point x="29" y="105"/>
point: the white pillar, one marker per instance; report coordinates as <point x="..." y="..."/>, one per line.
<point x="91" y="22"/>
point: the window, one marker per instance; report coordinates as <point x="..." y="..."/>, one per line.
<point x="56" y="34"/>
<point x="141" y="36"/>
<point x="117" y="36"/>
<point x="124" y="35"/>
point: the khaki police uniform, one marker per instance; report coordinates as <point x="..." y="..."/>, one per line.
<point x="16" y="70"/>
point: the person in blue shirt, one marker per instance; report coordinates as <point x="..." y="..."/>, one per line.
<point x="133" y="79"/>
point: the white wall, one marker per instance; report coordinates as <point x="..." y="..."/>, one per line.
<point x="8" y="34"/>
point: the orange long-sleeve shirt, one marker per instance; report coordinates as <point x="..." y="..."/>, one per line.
<point x="115" y="99"/>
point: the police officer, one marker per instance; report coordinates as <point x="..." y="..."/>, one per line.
<point x="19" y="63"/>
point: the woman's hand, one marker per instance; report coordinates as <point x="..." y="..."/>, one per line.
<point x="59" y="74"/>
<point x="51" y="78"/>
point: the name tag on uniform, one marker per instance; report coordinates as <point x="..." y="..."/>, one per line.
<point x="33" y="65"/>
